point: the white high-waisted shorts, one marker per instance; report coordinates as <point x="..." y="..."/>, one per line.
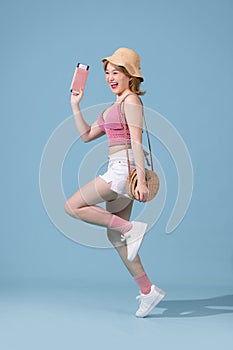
<point x="118" y="171"/>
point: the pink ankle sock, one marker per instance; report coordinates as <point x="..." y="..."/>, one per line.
<point x="120" y="224"/>
<point x="143" y="283"/>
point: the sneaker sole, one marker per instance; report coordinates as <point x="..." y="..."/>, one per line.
<point x="153" y="305"/>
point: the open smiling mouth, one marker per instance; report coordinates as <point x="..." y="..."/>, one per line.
<point x="114" y="85"/>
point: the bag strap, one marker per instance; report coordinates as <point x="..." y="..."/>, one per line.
<point x="148" y="138"/>
<point x="147" y="133"/>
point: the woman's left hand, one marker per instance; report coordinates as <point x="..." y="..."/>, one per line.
<point x="141" y="192"/>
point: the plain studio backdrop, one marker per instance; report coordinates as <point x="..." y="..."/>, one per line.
<point x="186" y="54"/>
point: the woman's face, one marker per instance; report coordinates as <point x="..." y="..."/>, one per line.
<point x="117" y="81"/>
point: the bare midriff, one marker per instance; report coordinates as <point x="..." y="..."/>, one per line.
<point x="116" y="148"/>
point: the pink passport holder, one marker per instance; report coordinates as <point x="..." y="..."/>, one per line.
<point x="79" y="78"/>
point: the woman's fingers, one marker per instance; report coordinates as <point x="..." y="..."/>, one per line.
<point x="141" y="195"/>
<point x="76" y="98"/>
<point x="137" y="195"/>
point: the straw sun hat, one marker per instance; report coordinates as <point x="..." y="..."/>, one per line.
<point x="126" y="58"/>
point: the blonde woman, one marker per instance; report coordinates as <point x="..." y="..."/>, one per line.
<point x="123" y="76"/>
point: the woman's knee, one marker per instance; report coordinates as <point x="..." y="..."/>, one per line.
<point x="71" y="209"/>
<point x="68" y="208"/>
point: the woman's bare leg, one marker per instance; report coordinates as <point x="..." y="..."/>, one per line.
<point x="135" y="267"/>
<point x="82" y="204"/>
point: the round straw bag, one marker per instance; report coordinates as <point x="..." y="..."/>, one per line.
<point x="152" y="183"/>
<point x="152" y="179"/>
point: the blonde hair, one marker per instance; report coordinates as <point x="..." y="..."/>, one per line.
<point x="134" y="83"/>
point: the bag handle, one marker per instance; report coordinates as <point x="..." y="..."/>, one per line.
<point x="147" y="133"/>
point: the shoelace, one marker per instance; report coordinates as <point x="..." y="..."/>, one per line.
<point x="124" y="237"/>
<point x="139" y="298"/>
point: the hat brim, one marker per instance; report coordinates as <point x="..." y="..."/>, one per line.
<point x="120" y="63"/>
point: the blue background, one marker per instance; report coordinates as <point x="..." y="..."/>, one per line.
<point x="186" y="53"/>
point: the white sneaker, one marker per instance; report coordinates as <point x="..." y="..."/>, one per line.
<point x="149" y="301"/>
<point x="134" y="238"/>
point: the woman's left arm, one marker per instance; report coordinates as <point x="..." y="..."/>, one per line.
<point x="134" y="116"/>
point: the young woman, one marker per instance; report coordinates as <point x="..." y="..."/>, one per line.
<point x="123" y="76"/>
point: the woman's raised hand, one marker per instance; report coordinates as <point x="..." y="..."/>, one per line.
<point x="76" y="98"/>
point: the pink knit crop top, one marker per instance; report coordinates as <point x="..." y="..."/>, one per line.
<point x="113" y="126"/>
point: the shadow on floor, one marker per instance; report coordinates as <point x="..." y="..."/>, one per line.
<point x="195" y="308"/>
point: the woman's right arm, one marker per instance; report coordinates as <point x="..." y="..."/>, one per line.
<point x="86" y="131"/>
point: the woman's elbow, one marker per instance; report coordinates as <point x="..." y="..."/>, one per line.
<point x="85" y="137"/>
<point x="136" y="143"/>
<point x="85" y="140"/>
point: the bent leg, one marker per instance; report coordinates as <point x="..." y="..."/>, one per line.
<point x="125" y="205"/>
<point x="82" y="204"/>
